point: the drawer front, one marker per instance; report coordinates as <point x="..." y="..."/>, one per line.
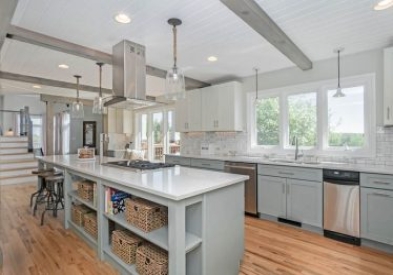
<point x="208" y="164"/>
<point x="177" y="160"/>
<point x="311" y="174"/>
<point x="376" y="181"/>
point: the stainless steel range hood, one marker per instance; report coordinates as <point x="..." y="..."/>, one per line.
<point x="129" y="77"/>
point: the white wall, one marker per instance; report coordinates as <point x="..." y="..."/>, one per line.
<point x="17" y="102"/>
<point x="351" y="65"/>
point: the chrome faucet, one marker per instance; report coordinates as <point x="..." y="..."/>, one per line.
<point x="295" y="142"/>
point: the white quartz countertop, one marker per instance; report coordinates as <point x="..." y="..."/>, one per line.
<point x="174" y="183"/>
<point x="377" y="169"/>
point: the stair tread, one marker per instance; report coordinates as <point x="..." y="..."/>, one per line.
<point x="19" y="168"/>
<point x="16" y="161"/>
<point x="17" y="176"/>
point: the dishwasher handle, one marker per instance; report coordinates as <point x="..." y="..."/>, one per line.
<point x="237" y="167"/>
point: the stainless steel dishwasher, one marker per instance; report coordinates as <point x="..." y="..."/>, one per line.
<point x="250" y="186"/>
<point x="341" y="206"/>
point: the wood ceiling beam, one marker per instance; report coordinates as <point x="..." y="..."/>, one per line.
<point x="251" y="13"/>
<point x="35" y="38"/>
<point x="50" y="82"/>
<point x="7" y="9"/>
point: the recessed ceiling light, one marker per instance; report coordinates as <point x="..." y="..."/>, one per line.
<point x="63" y="66"/>
<point x="212" y="59"/>
<point x="383" y="5"/>
<point x="122" y="18"/>
<point x="36" y="86"/>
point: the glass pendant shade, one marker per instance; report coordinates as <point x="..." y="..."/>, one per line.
<point x="98" y="106"/>
<point x="77" y="111"/>
<point x="339" y="93"/>
<point x="175" y="87"/>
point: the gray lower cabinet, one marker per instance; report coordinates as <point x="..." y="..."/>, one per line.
<point x="272" y="198"/>
<point x="377" y="215"/>
<point x="291" y="193"/>
<point x="304" y="201"/>
<point x="178" y="160"/>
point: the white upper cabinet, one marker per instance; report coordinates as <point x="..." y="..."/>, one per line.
<point x="388" y="86"/>
<point x="215" y="108"/>
<point x="222" y="107"/>
<point x="188" y="112"/>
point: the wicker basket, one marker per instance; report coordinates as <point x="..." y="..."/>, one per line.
<point x="145" y="214"/>
<point x="124" y="245"/>
<point x="86" y="190"/>
<point x="78" y="212"/>
<point x="151" y="260"/>
<point x="90" y="224"/>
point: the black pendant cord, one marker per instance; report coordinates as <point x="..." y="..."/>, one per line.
<point x="77" y="87"/>
<point x="338" y="70"/>
<point x="100" y="64"/>
<point x="174" y="46"/>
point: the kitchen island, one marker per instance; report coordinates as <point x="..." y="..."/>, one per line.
<point x="205" y="231"/>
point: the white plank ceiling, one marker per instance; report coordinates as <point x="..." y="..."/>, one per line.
<point x="209" y="28"/>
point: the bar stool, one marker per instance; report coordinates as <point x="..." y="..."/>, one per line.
<point x="54" y="195"/>
<point x="40" y="194"/>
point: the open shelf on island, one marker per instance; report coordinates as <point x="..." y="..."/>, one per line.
<point x="127" y="267"/>
<point x="82" y="233"/>
<point x="74" y="194"/>
<point x="158" y="237"/>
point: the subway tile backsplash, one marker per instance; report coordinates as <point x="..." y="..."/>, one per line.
<point x="229" y="143"/>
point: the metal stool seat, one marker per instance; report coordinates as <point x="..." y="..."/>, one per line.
<point x="54" y="195"/>
<point x="40" y="195"/>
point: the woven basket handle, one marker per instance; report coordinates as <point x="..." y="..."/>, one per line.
<point x="147" y="261"/>
<point x="136" y="208"/>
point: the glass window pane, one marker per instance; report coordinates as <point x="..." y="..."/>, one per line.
<point x="143" y="135"/>
<point x="346" y="118"/>
<point x="173" y="136"/>
<point x="158" y="135"/>
<point x="267" y="121"/>
<point x="302" y="112"/>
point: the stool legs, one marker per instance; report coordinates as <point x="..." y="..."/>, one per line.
<point x="54" y="197"/>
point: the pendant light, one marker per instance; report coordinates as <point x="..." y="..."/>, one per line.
<point x="256" y="84"/>
<point x="77" y="106"/>
<point x="98" y="104"/>
<point x="339" y="92"/>
<point x="175" y="85"/>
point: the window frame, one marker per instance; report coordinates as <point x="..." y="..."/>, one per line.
<point x="150" y="140"/>
<point x="321" y="89"/>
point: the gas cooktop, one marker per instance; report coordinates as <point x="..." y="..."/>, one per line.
<point x="138" y="164"/>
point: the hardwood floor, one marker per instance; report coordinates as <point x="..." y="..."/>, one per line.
<point x="271" y="248"/>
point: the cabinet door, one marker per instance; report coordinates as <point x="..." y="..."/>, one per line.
<point x="304" y="201"/>
<point x="222" y="107"/>
<point x="181" y="118"/>
<point x="194" y="111"/>
<point x="388" y="86"/>
<point x="377" y="215"/>
<point x="272" y="196"/>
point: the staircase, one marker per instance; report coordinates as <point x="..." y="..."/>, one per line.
<point x="16" y="163"/>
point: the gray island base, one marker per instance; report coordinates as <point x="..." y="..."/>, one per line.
<point x="205" y="231"/>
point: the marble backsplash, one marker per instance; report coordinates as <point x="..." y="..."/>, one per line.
<point x="226" y="143"/>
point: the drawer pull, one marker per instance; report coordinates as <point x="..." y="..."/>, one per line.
<point x="382" y="195"/>
<point x="286" y="173"/>
<point x="381" y="182"/>
<point x="205" y="164"/>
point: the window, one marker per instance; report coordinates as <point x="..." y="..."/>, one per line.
<point x="346" y="118"/>
<point x="37" y="131"/>
<point x="267" y="121"/>
<point x="302" y="115"/>
<point x="318" y="120"/>
<point x="156" y="133"/>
